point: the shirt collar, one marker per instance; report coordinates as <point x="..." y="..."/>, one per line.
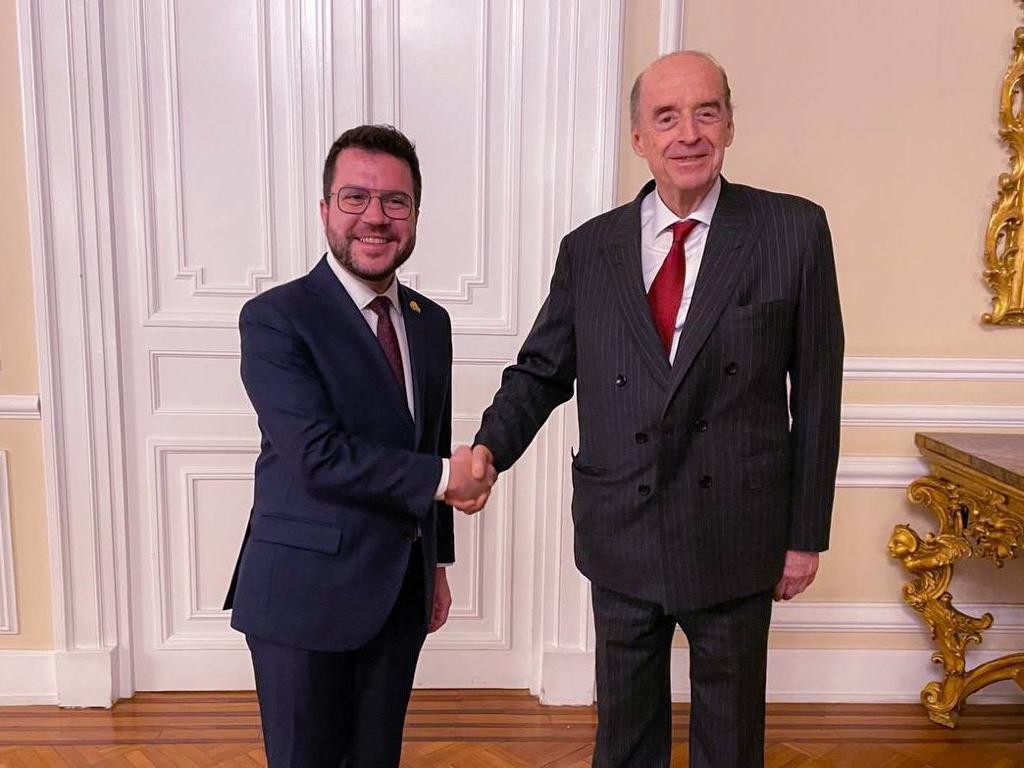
<point x="361" y="293"/>
<point x="665" y="218"/>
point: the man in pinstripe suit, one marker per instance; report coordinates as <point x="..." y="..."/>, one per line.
<point x="703" y="486"/>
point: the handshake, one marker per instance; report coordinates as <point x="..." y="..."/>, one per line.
<point x="471" y="474"/>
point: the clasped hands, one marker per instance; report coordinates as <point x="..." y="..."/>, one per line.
<point x="471" y="475"/>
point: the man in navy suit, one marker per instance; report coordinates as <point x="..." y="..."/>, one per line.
<point x="338" y="582"/>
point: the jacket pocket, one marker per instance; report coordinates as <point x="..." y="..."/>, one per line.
<point x="585" y="469"/>
<point x="757" y="312"/>
<point x="303" y="534"/>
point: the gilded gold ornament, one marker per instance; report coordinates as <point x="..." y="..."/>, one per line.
<point x="979" y="505"/>
<point x="1004" y="265"/>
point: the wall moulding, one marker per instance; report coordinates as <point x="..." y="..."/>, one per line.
<point x="169" y="369"/>
<point x="887" y="618"/>
<point x="8" y="596"/>
<point x="933" y="369"/>
<point x="931" y="416"/>
<point x="670" y="38"/>
<point x="879" y="471"/>
<point x="493" y="208"/>
<point x="64" y="103"/>
<point x="174" y="462"/>
<point x="19" y="406"/>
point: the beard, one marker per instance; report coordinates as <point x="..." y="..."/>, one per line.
<point x="341" y="248"/>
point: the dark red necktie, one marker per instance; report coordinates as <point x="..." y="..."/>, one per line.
<point x="388" y="339"/>
<point x="667" y="289"/>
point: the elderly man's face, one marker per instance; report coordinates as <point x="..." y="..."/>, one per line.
<point x="682" y="128"/>
<point x="371" y="244"/>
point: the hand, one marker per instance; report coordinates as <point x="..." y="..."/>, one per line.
<point x="442" y="600"/>
<point x="465" y="491"/>
<point x="797" y="574"/>
<point x="483" y="462"/>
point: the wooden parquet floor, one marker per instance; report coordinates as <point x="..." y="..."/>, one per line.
<point x="495" y="729"/>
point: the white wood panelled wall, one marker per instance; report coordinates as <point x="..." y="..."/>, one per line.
<point x="174" y="150"/>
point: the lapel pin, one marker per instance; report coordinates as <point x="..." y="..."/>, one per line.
<point x="414" y="307"/>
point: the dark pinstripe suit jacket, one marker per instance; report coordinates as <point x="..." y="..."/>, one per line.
<point x="691" y="481"/>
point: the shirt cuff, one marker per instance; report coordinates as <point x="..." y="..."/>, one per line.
<point x="445" y="565"/>
<point x="442" y="486"/>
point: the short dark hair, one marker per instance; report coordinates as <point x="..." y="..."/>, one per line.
<point x="375" y="138"/>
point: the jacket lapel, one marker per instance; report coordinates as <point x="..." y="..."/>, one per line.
<point x="625" y="261"/>
<point x="732" y="232"/>
<point x="415" y="335"/>
<point x="349" y="321"/>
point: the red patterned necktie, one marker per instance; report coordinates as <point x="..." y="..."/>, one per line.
<point x="667" y="289"/>
<point x="388" y="339"/>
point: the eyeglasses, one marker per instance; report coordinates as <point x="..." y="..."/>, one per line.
<point x="396" y="205"/>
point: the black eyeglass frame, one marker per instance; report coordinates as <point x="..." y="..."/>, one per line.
<point x="371" y="194"/>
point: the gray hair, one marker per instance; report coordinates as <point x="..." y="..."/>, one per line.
<point x="634" y="94"/>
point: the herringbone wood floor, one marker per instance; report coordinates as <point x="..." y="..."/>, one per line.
<point x="495" y="729"/>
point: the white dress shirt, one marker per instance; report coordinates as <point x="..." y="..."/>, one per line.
<point x="656" y="220"/>
<point x="362" y="294"/>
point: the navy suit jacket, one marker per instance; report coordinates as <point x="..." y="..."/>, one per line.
<point x="345" y="478"/>
<point x="692" y="479"/>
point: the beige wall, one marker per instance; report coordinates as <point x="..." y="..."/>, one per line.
<point x="640" y="45"/>
<point x="20" y="438"/>
<point x="885" y="113"/>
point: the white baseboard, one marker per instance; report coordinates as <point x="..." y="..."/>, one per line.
<point x="27" y="677"/>
<point x="852" y="676"/>
<point x="68" y="678"/>
<point x="86" y="678"/>
<point x="796" y="675"/>
<point x="567" y="677"/>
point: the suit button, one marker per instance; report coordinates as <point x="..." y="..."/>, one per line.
<point x="731" y="368"/>
<point x="705" y="481"/>
<point x="620" y="380"/>
<point x="700" y="425"/>
<point x="640" y="438"/>
<point x="644" y="490"/>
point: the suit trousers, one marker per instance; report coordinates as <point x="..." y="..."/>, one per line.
<point x="322" y="709"/>
<point x="728" y="660"/>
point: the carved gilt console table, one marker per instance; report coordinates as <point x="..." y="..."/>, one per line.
<point x="976" y="490"/>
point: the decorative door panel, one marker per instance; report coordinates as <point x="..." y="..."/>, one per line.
<point x="224" y="203"/>
<point x="175" y="152"/>
<point x="221" y="116"/>
<point x="457" y="92"/>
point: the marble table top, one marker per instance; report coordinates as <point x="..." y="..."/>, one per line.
<point x="1000" y="456"/>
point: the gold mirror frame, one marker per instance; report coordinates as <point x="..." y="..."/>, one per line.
<point x="1004" y="266"/>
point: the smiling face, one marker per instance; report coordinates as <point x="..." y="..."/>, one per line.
<point x="370" y="245"/>
<point x="682" y="126"/>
